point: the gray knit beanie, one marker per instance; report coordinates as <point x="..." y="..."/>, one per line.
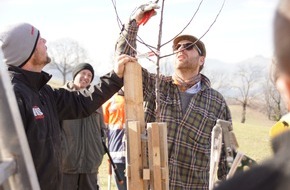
<point x="82" y="66"/>
<point x="19" y="43"/>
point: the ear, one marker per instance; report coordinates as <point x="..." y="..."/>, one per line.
<point x="201" y="60"/>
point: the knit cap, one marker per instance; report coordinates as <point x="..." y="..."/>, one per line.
<point x="19" y="42"/>
<point x="82" y="66"/>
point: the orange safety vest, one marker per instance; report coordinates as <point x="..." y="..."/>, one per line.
<point x="114" y="112"/>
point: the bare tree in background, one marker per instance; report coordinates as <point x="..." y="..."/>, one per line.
<point x="248" y="77"/>
<point x="219" y="81"/>
<point x="65" y="54"/>
<point x="273" y="102"/>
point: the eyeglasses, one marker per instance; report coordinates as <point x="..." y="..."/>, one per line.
<point x="188" y="47"/>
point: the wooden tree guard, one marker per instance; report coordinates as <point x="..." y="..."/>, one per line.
<point x="136" y="149"/>
<point x="140" y="171"/>
<point x="158" y="155"/>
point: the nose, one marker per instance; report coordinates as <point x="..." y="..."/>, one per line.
<point x="44" y="40"/>
<point x="181" y="48"/>
<point x="87" y="77"/>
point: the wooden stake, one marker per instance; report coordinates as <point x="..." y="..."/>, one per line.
<point x="158" y="155"/>
<point x="154" y="155"/>
<point x="134" y="112"/>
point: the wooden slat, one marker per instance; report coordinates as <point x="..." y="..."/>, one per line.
<point x="154" y="156"/>
<point x="134" y="112"/>
<point x="134" y="159"/>
<point x="164" y="155"/>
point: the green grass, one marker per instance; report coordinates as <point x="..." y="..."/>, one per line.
<point x="252" y="137"/>
<point x="253" y="140"/>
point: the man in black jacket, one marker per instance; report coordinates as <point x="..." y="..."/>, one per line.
<point x="42" y="107"/>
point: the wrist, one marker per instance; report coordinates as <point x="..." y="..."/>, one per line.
<point x="133" y="22"/>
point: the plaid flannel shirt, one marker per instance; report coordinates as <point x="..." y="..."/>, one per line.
<point x="189" y="135"/>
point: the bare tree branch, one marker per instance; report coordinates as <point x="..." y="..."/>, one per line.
<point x="65" y="54"/>
<point x="248" y="76"/>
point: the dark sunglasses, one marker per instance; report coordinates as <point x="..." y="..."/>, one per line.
<point x="188" y="47"/>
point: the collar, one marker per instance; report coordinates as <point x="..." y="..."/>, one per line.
<point x="185" y="85"/>
<point x="194" y="89"/>
<point x="87" y="92"/>
<point x="69" y="86"/>
<point x="34" y="80"/>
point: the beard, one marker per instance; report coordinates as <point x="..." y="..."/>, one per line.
<point x="187" y="64"/>
<point x="48" y="59"/>
<point x="40" y="59"/>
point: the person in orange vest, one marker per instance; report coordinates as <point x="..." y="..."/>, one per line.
<point x="114" y="118"/>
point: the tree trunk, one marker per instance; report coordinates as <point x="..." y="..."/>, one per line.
<point x="64" y="80"/>
<point x="244" y="113"/>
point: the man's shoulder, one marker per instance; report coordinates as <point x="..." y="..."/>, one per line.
<point x="209" y="89"/>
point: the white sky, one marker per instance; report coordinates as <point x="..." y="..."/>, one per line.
<point x="242" y="30"/>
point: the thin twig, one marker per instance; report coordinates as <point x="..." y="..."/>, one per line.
<point x="157" y="80"/>
<point x="196" y="11"/>
<point x="204" y="32"/>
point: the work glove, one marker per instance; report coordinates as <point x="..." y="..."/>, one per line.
<point x="144" y="12"/>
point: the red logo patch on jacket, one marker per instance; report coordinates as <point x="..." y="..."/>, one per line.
<point x="37" y="112"/>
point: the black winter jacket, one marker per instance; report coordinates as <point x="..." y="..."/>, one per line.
<point x="82" y="149"/>
<point x="42" y="108"/>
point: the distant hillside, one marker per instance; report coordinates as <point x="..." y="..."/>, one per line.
<point x="219" y="66"/>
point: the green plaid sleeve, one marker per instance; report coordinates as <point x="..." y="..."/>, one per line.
<point x="126" y="44"/>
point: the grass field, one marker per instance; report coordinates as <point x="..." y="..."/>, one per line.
<point x="252" y="137"/>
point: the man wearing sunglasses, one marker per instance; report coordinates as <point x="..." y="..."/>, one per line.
<point x="189" y="59"/>
<point x="188" y="105"/>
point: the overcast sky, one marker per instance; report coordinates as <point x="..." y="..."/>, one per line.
<point x="242" y="30"/>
